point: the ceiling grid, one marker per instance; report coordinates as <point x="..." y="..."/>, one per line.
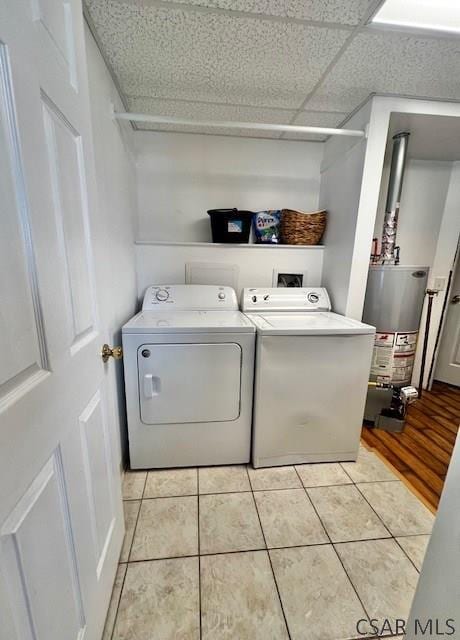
<point x="300" y="62"/>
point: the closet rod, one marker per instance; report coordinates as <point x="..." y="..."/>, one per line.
<point x="140" y="117"/>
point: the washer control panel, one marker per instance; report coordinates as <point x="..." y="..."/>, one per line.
<point x="188" y="297"/>
<point x="285" y="299"/>
<point x="162" y="295"/>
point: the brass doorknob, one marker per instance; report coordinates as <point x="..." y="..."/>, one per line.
<point x="455" y="299"/>
<point x="115" y="352"/>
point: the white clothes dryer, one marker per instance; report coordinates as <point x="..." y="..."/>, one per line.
<point x="312" y="371"/>
<point x="189" y="366"/>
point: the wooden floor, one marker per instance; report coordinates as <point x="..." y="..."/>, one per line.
<point x="422" y="452"/>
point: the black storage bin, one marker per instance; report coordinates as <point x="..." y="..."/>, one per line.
<point x="230" y="225"/>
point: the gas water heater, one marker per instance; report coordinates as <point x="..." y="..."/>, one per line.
<point x="393" y="304"/>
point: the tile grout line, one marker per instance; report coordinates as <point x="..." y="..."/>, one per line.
<point x="346" y="472"/>
<point x="224" y="553"/>
<point x="372" y="508"/>
<point x="269" y="557"/>
<point x="119" y="600"/>
<point x="412" y="535"/>
<point x="367" y="481"/>
<point x="222" y="493"/>
<point x="335" y="550"/>
<point x="267" y="549"/>
<point x="134" y="531"/>
<point x="127" y="562"/>
<point x="141" y="499"/>
<point x="199" y="548"/>
<point x="145" y="484"/>
<point x="381" y="519"/>
<point x="392" y="537"/>
<point x="402" y="478"/>
<point x="381" y="537"/>
<point x="406" y="554"/>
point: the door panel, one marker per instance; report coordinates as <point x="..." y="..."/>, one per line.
<point x="40" y="561"/>
<point x="22" y="342"/>
<point x="54" y="25"/>
<point x="448" y="362"/>
<point x="61" y="525"/>
<point x="67" y="180"/>
<point x="189" y="382"/>
<point x="97" y="470"/>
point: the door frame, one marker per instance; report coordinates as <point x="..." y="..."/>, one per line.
<point x="442" y="320"/>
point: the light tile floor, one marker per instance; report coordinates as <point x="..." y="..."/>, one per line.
<point x="234" y="553"/>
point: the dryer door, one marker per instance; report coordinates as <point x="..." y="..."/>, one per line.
<point x="180" y="383"/>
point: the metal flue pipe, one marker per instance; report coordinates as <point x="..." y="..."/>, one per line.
<point x="390" y="223"/>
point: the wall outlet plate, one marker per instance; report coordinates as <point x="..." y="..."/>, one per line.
<point x="282" y="278"/>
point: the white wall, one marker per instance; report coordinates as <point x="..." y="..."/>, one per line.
<point x="181" y="176"/>
<point x="443" y="260"/>
<point x="164" y="263"/>
<point x="341" y="178"/>
<point x="438" y="590"/>
<point x="116" y="184"/>
<point x="422" y="206"/>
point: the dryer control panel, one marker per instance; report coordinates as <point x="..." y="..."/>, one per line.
<point x="285" y="299"/>
<point x="189" y="297"/>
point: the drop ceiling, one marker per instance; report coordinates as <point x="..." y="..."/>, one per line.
<point x="309" y="62"/>
<point x="431" y="137"/>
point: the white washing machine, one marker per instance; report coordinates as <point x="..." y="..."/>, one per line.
<point x="312" y="370"/>
<point x="189" y="366"/>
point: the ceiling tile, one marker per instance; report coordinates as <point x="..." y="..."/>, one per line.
<point x="391" y="62"/>
<point x="213" y="112"/>
<point x="171" y="53"/>
<point x="215" y="131"/>
<point x="315" y="119"/>
<point x="349" y="12"/>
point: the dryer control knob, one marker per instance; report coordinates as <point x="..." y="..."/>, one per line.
<point x="162" y="295"/>
<point x="221" y="295"/>
<point x="313" y="297"/>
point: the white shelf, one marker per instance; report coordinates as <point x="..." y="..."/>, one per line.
<point x="230" y="245"/>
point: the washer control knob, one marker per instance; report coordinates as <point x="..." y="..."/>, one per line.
<point x="313" y="297"/>
<point x="254" y="298"/>
<point x="221" y="295"/>
<point x="162" y="295"/>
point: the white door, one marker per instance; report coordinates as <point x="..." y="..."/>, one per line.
<point x="448" y="362"/>
<point x="60" y="506"/>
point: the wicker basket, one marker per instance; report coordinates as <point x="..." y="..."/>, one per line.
<point x="298" y="227"/>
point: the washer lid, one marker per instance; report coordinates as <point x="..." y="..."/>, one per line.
<point x="308" y="324"/>
<point x="189" y="322"/>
